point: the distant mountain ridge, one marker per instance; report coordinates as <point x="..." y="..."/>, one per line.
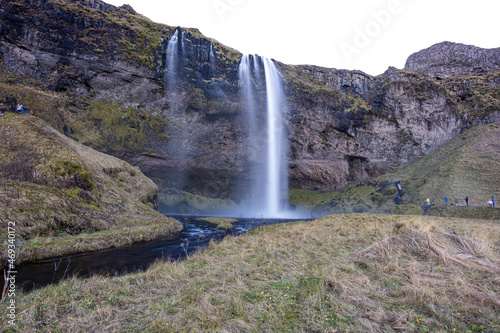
<point x="446" y="59"/>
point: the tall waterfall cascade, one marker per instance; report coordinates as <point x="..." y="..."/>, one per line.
<point x="263" y="103"/>
<point x="178" y="147"/>
<point x="171" y="59"/>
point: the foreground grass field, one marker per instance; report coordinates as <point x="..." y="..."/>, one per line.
<point x="342" y="273"/>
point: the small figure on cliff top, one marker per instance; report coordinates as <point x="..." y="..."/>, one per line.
<point x="467" y="201"/>
<point x="446" y="201"/>
<point x="428" y="202"/>
<point x="493" y="201"/>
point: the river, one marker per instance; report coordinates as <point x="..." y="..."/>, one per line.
<point x="136" y="257"/>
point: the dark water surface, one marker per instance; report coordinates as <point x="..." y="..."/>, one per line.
<point x="136" y="257"/>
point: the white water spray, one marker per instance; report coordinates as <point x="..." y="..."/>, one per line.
<point x="271" y="184"/>
<point x="275" y="140"/>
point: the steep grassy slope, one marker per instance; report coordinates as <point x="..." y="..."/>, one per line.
<point x="58" y="191"/>
<point x="343" y="273"/>
<point x="467" y="166"/>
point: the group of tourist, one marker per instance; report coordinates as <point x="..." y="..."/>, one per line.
<point x="491" y="203"/>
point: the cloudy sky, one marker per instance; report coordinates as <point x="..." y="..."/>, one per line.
<point x="369" y="35"/>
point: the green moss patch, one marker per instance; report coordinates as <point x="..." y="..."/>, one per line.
<point x="224" y="223"/>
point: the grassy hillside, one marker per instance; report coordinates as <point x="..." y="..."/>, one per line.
<point x="67" y="198"/>
<point x="342" y="273"/>
<point x="467" y="166"/>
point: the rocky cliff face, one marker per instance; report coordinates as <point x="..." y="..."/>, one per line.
<point x="446" y="60"/>
<point x="70" y="46"/>
<point x="362" y="126"/>
<point x="341" y="125"/>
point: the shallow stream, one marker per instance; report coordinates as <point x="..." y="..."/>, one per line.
<point x="136" y="257"/>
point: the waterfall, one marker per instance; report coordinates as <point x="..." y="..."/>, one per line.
<point x="172" y="59"/>
<point x="275" y="139"/>
<point x="178" y="146"/>
<point x="270" y="185"/>
<point x="211" y="60"/>
<point x="211" y="55"/>
<point x="248" y="92"/>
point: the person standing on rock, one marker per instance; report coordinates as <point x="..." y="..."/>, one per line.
<point x="400" y="188"/>
<point x="467" y="201"/>
<point x="446" y="201"/>
<point x="493" y="201"/>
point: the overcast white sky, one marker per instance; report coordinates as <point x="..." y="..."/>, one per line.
<point x="369" y="35"/>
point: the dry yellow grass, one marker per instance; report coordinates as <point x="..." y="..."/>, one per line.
<point x="343" y="273"/>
